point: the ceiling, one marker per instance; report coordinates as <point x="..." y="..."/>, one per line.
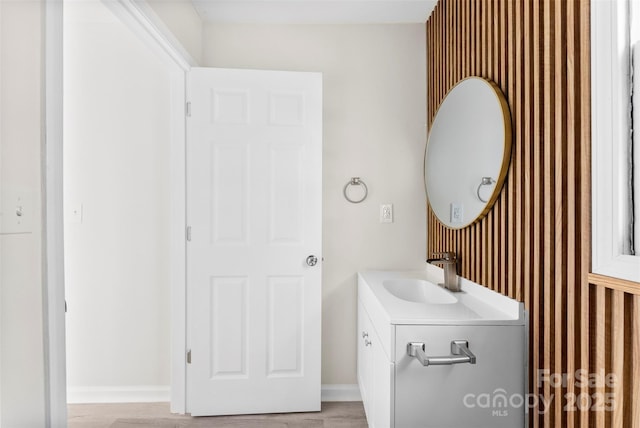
<point x="315" y="11"/>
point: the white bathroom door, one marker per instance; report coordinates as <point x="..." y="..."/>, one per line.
<point x="254" y="213"/>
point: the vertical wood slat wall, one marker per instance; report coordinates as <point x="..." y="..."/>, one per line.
<point x="534" y="245"/>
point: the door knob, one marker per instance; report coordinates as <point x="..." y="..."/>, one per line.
<point x="312" y="260"/>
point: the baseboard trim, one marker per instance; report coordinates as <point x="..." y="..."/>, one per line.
<point x="152" y="394"/>
<point x="118" y="394"/>
<point x="341" y="392"/>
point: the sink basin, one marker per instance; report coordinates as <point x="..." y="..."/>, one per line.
<point x="418" y="291"/>
<point x="413" y="298"/>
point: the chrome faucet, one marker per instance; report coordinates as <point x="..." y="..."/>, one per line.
<point x="450" y="265"/>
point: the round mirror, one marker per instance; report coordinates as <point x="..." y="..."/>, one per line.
<point x="468" y="152"/>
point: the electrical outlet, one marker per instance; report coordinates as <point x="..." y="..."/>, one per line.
<point x="457" y="213"/>
<point x="386" y="213"/>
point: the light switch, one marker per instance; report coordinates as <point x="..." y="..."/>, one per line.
<point x="16" y="210"/>
<point x="74" y="214"/>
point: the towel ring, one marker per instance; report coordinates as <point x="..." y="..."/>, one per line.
<point x="486" y="181"/>
<point x="355" y="181"/>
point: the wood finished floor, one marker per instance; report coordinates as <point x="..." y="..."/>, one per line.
<point x="157" y="415"/>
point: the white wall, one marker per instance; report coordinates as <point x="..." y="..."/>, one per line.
<point x="182" y="22"/>
<point x="116" y="156"/>
<point x="22" y="369"/>
<point x="374" y="128"/>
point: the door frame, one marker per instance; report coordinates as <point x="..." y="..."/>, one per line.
<point x="141" y="19"/>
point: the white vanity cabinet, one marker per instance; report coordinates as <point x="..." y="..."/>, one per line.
<point x="450" y="391"/>
<point x="375" y="373"/>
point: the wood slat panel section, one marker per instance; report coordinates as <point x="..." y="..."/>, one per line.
<point x="618" y="356"/>
<point x="635" y="368"/>
<point x="582" y="57"/>
<point x="535" y="244"/>
<point x="537" y="206"/>
<point x="572" y="253"/>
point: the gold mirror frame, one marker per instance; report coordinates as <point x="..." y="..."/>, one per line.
<point x="459" y="159"/>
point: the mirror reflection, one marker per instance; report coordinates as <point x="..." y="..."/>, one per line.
<point x="468" y="152"/>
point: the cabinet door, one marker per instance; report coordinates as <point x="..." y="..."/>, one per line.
<point x="365" y="360"/>
<point x="374" y="373"/>
<point x="487" y="394"/>
<point x="382" y="370"/>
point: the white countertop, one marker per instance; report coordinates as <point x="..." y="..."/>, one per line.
<point x="475" y="304"/>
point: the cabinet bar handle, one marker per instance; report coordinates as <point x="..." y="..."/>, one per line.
<point x="459" y="349"/>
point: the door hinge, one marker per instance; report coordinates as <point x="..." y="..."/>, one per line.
<point x="189" y="233"/>
<point x="188" y="109"/>
<point x="189" y="356"/>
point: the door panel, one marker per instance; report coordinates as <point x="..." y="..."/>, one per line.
<point x="285" y="351"/>
<point x="228" y="327"/>
<point x="254" y="193"/>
